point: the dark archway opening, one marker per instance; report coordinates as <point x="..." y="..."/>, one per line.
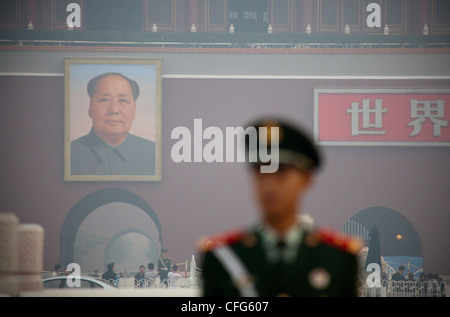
<point x="90" y="203"/>
<point x="399" y="242"/>
<point x="119" y="249"/>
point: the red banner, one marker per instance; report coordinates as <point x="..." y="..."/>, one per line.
<point x="382" y="116"/>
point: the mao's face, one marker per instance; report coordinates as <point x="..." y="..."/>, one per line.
<point x="112" y="109"/>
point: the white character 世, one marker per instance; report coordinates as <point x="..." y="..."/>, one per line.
<point x="366" y="112"/>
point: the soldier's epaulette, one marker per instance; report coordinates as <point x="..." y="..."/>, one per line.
<point x="225" y="238"/>
<point x="336" y="240"/>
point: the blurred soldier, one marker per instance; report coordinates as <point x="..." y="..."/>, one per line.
<point x="283" y="255"/>
<point x="164" y="266"/>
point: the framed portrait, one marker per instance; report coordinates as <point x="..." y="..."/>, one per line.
<point x="112" y="119"/>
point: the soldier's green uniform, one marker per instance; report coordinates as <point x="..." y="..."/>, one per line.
<point x="164" y="266"/>
<point x="322" y="264"/>
<point x="310" y="261"/>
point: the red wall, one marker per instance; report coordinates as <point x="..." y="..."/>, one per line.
<point x="194" y="199"/>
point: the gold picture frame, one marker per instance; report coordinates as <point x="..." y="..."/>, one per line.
<point x="96" y="93"/>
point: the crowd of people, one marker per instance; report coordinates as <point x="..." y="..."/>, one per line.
<point x="431" y="284"/>
<point x="423" y="277"/>
<point x="163" y="274"/>
<point x="144" y="279"/>
<point x="403" y="283"/>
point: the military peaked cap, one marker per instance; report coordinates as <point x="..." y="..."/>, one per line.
<point x="296" y="148"/>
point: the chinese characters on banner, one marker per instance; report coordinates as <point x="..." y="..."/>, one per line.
<point x="382" y="116"/>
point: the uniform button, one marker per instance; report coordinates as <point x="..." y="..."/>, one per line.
<point x="319" y="278"/>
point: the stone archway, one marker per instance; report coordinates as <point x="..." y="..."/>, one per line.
<point x="91" y="202"/>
